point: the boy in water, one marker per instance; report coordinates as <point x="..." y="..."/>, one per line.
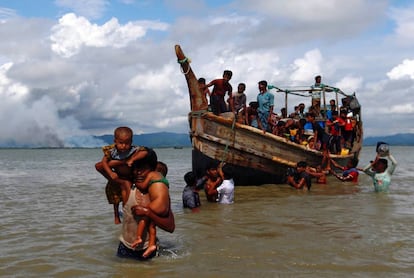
<point x="190" y="196"/>
<point x="349" y="172"/>
<point x="211" y="181"/>
<point x="115" y="165"/>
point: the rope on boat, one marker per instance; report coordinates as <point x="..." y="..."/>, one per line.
<point x="226" y="149"/>
<point x="181" y="62"/>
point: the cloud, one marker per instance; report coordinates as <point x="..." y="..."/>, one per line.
<point x="306" y="68"/>
<point x="404" y="24"/>
<point x="7" y="13"/>
<point x="405" y="69"/>
<point x="74" y="32"/>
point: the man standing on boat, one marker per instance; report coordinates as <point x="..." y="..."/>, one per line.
<point x="221" y="87"/>
<point x="266" y="103"/>
<point x="316" y="92"/>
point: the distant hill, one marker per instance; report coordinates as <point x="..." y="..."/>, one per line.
<point x="155" y="140"/>
<point x="401" y="139"/>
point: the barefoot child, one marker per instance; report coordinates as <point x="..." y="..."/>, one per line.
<point x="156" y="175"/>
<point x="115" y="165"/>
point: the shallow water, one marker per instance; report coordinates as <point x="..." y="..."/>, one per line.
<point x="56" y="222"/>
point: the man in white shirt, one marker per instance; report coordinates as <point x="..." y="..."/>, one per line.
<point x="226" y="189"/>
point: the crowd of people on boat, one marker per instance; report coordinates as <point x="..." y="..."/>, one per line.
<point x="312" y="127"/>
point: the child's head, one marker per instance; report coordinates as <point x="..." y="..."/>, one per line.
<point x="310" y="117"/>
<point x="227" y="172"/>
<point x="123" y="138"/>
<point x="227" y="74"/>
<point x="241" y="87"/>
<point x="211" y="169"/>
<point x="162" y="168"/>
<point x="301" y="166"/>
<point x="190" y="179"/>
<point x="262" y="86"/>
<point x="254" y="105"/>
<point x="202" y="81"/>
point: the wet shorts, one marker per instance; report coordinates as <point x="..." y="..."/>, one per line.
<point x="125" y="252"/>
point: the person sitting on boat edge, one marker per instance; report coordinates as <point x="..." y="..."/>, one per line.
<point x="220" y="89"/>
<point x="298" y="177"/>
<point x="158" y="209"/>
<point x="190" y="196"/>
<point x="239" y="106"/>
<point x="115" y="165"/>
<point x="266" y="102"/>
<point x="253" y="116"/>
<point x="319" y="134"/>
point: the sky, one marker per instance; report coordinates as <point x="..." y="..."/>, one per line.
<point x="70" y="69"/>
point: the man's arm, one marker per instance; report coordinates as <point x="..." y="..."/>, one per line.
<point x="137" y="155"/>
<point x="394" y="163"/>
<point x="342" y="178"/>
<point x="159" y="209"/>
<point x="167" y="223"/>
<point x="334" y="163"/>
<point x="297" y="185"/>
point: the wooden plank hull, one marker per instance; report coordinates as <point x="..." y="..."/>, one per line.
<point x="257" y="157"/>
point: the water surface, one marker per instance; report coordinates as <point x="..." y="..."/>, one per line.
<point x="56" y="222"/>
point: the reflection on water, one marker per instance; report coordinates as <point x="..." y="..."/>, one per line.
<point x="56" y="222"/>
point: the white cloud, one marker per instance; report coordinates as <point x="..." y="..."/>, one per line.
<point x="73" y="32"/>
<point x="307" y="67"/>
<point x="349" y="84"/>
<point x="9" y="89"/>
<point x="407" y="108"/>
<point x="405" y="69"/>
<point x="404" y="21"/>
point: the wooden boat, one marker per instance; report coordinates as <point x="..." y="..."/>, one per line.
<point x="257" y="157"/>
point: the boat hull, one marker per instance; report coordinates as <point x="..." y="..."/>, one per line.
<point x="257" y="157"/>
<point x="242" y="175"/>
